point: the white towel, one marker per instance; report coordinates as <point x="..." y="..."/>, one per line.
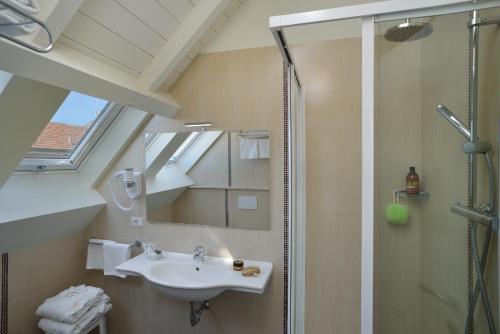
<point x="249" y="149"/>
<point x="71" y="304"/>
<point x="83" y="326"/>
<point x="95" y="254"/>
<point x="114" y="254"/>
<point x="30" y="7"/>
<point x="264" y="148"/>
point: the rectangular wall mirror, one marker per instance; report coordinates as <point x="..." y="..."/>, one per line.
<point x="217" y="178"/>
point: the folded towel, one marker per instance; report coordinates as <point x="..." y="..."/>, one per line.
<point x="85" y="324"/>
<point x="249" y="149"/>
<point x="7" y="16"/>
<point x="115" y="254"/>
<point x="71" y="304"/>
<point x="264" y="148"/>
<point x="94" y="254"/>
<point x="30" y="7"/>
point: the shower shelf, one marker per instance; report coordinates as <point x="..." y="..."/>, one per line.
<point x="403" y="194"/>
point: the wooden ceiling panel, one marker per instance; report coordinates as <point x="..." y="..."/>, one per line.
<point x="94" y="36"/>
<point x="177" y="8"/>
<point x="128" y="34"/>
<point x="124" y="24"/>
<point x="219" y="22"/>
<point x="233" y="5"/>
<point x="151" y="13"/>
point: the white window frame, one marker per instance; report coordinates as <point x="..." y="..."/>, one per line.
<point x="149" y="139"/>
<point x="80" y="152"/>
<point x="180" y="151"/>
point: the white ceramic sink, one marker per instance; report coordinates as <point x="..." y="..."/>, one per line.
<point x="178" y="276"/>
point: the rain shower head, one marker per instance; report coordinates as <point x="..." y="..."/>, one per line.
<point x="454" y="120"/>
<point x="408" y="31"/>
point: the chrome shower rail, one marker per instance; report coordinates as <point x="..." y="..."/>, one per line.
<point x="29" y="20"/>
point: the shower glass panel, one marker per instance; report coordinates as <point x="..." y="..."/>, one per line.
<point x="424" y="273"/>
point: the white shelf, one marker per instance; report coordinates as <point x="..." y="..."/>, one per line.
<point x="421" y="194"/>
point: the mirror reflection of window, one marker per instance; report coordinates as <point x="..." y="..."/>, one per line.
<point x="216" y="178"/>
<point x="191" y="140"/>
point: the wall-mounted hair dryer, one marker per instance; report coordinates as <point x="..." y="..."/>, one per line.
<point x="132" y="184"/>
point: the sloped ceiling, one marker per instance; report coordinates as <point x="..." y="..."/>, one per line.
<point x="104" y="48"/>
<point x="128" y="34"/>
<point x="125" y="51"/>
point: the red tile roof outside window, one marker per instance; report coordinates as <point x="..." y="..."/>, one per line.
<point x="67" y="130"/>
<point x="59" y="136"/>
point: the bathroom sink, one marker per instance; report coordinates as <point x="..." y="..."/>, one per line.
<point x="189" y="274"/>
<point x="179" y="277"/>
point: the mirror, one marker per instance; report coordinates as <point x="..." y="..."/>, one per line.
<point x="217" y="178"/>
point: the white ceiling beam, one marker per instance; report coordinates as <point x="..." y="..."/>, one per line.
<point x="181" y="42"/>
<point x="67" y="68"/>
<point x="56" y="14"/>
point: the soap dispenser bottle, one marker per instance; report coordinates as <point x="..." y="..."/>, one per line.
<point x="412" y="182"/>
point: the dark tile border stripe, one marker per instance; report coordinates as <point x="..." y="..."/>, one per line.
<point x="4" y="295"/>
<point x="285" y="198"/>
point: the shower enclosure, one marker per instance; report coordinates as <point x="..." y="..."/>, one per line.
<point x="430" y="99"/>
<point x="438" y="284"/>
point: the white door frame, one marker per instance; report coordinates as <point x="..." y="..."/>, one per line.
<point x="297" y="203"/>
<point x="370" y="14"/>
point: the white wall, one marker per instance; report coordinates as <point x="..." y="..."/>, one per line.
<point x="248" y="27"/>
<point x="26" y="108"/>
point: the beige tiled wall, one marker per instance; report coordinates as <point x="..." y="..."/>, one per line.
<point x="234" y="90"/>
<point x="397" y="146"/>
<point x="331" y="75"/>
<point x="39" y="272"/>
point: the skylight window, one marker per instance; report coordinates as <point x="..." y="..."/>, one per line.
<point x="190" y="140"/>
<point x="71" y="133"/>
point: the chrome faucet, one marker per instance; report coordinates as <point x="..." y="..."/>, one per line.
<point x="198" y="254"/>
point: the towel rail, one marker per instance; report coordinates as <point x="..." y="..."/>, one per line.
<point x="30" y="20"/>
<point x="252" y="135"/>
<point x="136" y="243"/>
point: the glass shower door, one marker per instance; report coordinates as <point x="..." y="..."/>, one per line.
<point x="424" y="276"/>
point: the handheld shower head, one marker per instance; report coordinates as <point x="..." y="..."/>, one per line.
<point x="454" y="120"/>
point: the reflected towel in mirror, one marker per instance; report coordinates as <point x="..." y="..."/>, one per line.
<point x="264" y="148"/>
<point x="249" y="149"/>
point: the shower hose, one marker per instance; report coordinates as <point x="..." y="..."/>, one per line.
<point x="480" y="260"/>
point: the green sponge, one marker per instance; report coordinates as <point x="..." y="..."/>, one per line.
<point x="396" y="213"/>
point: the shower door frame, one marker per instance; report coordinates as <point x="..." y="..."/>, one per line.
<point x="369" y="14"/>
